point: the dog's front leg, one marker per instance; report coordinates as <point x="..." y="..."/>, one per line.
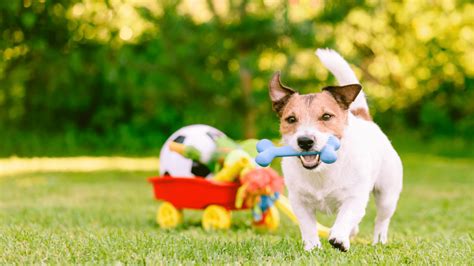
<point x="349" y="216"/>
<point x="307" y="223"/>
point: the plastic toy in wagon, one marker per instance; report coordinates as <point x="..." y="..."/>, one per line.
<point x="202" y="169"/>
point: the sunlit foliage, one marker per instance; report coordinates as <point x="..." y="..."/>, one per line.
<point x="123" y="74"/>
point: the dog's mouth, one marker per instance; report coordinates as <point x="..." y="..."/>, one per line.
<point x="310" y="161"/>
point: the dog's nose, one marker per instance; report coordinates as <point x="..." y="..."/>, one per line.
<point x="305" y="143"/>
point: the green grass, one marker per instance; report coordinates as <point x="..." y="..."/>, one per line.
<point x="108" y="217"/>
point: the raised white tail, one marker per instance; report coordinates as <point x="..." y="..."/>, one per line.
<point x="343" y="73"/>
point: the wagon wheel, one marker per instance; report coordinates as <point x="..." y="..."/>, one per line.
<point x="270" y="221"/>
<point x="216" y="217"/>
<point x="168" y="216"/>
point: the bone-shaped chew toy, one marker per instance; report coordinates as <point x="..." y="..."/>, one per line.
<point x="267" y="152"/>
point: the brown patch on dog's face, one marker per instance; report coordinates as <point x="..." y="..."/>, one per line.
<point x="307" y="121"/>
<point x="320" y="110"/>
<point x="326" y="111"/>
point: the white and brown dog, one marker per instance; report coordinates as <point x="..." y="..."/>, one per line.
<point x="366" y="159"/>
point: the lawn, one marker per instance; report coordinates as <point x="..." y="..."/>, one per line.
<point x="108" y="217"/>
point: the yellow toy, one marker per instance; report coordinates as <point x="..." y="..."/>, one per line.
<point x="231" y="172"/>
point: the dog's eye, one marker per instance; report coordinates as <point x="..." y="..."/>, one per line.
<point x="291" y="119"/>
<point x="326" y="117"/>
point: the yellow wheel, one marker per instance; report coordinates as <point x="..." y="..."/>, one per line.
<point x="168" y="216"/>
<point x="216" y="217"/>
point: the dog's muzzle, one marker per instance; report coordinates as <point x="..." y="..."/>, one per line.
<point x="306" y="143"/>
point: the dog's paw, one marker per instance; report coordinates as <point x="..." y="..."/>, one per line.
<point x="380" y="238"/>
<point x="312" y="245"/>
<point x="342" y="244"/>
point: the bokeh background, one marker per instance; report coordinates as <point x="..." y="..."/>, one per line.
<point x="119" y="76"/>
<point x="100" y="84"/>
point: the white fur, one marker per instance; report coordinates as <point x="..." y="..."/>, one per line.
<point x="366" y="163"/>
<point x="343" y="73"/>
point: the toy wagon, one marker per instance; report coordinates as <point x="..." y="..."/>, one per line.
<point x="216" y="198"/>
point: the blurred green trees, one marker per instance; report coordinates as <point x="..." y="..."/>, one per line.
<point x="120" y="76"/>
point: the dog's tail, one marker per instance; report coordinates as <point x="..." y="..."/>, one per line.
<point x="344" y="75"/>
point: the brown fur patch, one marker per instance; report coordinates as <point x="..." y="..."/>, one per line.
<point x="344" y="95"/>
<point x="280" y="104"/>
<point x="279" y="93"/>
<point x="309" y="109"/>
<point x="362" y="113"/>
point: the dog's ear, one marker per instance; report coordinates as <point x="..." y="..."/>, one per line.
<point x="279" y="93"/>
<point x="344" y="95"/>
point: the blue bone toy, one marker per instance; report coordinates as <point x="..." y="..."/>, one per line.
<point x="267" y="152"/>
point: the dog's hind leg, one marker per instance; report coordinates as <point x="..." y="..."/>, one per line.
<point x="386" y="193"/>
<point x="386" y="198"/>
<point x="386" y="205"/>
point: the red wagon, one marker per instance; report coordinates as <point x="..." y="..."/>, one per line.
<point x="216" y="198"/>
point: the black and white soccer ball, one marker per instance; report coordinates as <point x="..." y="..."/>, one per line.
<point x="201" y="137"/>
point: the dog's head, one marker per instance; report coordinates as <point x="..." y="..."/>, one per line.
<point x="307" y="120"/>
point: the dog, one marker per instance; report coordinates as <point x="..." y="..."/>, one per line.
<point x="367" y="162"/>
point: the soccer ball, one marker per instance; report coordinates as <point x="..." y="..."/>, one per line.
<point x="201" y="137"/>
